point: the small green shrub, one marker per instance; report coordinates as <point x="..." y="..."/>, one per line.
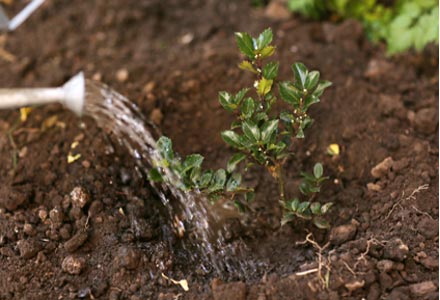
<point x="259" y="135"/>
<point x="404" y="25"/>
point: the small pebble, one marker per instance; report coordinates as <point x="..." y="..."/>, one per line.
<point x="127" y="257"/>
<point x="122" y="75"/>
<point x="73" y="264"/>
<point x="80" y="197"/>
<point x="343" y="233"/>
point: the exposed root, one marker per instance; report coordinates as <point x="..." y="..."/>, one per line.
<point x="324" y="265"/>
<point x="402" y="199"/>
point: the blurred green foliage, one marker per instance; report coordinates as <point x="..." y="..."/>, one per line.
<point x="403" y="24"/>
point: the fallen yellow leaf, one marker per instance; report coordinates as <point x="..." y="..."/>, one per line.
<point x="24" y="113"/>
<point x="333" y="150"/>
<point x="183" y="283"/>
<point x="71" y="158"/>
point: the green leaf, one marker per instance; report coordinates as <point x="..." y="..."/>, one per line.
<point x="155" y="175"/>
<point x="233" y="182"/>
<point x="247" y="66"/>
<point x="318" y="170"/>
<point x="270" y="71"/>
<point x="321" y="87"/>
<point x="226" y="100"/>
<point x="234" y="161"/>
<point x="302" y="207"/>
<point x="289" y="217"/>
<point x="218" y="181"/>
<point x="326" y="207"/>
<point x="264" y="39"/>
<point x="300" y="72"/>
<point x="294" y="205"/>
<point x="311" y="80"/>
<point x="192" y="161"/>
<point x="165" y="146"/>
<point x="289" y="93"/>
<point x="264" y="86"/>
<point x="248" y="107"/>
<point x="245" y="44"/>
<point x="205" y="179"/>
<point x="268" y="129"/>
<point x="315" y="208"/>
<point x="320" y="223"/>
<point x="231" y="138"/>
<point x="251" y="131"/>
<point x="240" y="95"/>
<point x="267" y="51"/>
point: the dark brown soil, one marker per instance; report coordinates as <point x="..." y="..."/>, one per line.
<point x="117" y="243"/>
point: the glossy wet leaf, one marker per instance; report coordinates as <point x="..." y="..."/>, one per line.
<point x="268" y="130"/>
<point x="300" y="72"/>
<point x="205" y="179"/>
<point x="233" y="182"/>
<point x="245" y="44"/>
<point x="231" y="138"/>
<point x="270" y="71"/>
<point x="165" y="146"/>
<point x="264" y="39"/>
<point x="311" y="80"/>
<point x="192" y="161"/>
<point x="251" y="131"/>
<point x="218" y="181"/>
<point x="234" y="161"/>
<point x="248" y="107"/>
<point x="240" y="95"/>
<point x="225" y="100"/>
<point x="289" y="93"/>
<point x="321" y="88"/>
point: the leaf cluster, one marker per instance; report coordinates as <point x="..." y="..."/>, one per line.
<point x="309" y="209"/>
<point x="191" y="176"/>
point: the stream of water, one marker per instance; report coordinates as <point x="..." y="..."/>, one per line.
<point x="116" y="114"/>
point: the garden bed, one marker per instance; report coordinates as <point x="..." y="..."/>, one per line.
<point x="171" y="58"/>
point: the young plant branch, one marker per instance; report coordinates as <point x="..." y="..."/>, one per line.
<point x="259" y="135"/>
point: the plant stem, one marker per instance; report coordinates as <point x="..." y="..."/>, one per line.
<point x="280" y="179"/>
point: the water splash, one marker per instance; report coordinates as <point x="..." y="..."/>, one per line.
<point x="116" y="114"/>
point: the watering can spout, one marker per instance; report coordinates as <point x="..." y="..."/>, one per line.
<point x="74" y="91"/>
<point x="71" y="95"/>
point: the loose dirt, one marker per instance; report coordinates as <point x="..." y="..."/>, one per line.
<point x="171" y="58"/>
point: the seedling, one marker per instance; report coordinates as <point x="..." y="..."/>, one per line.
<point x="259" y="135"/>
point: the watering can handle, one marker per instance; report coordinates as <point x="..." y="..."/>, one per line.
<point x="13" y="98"/>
